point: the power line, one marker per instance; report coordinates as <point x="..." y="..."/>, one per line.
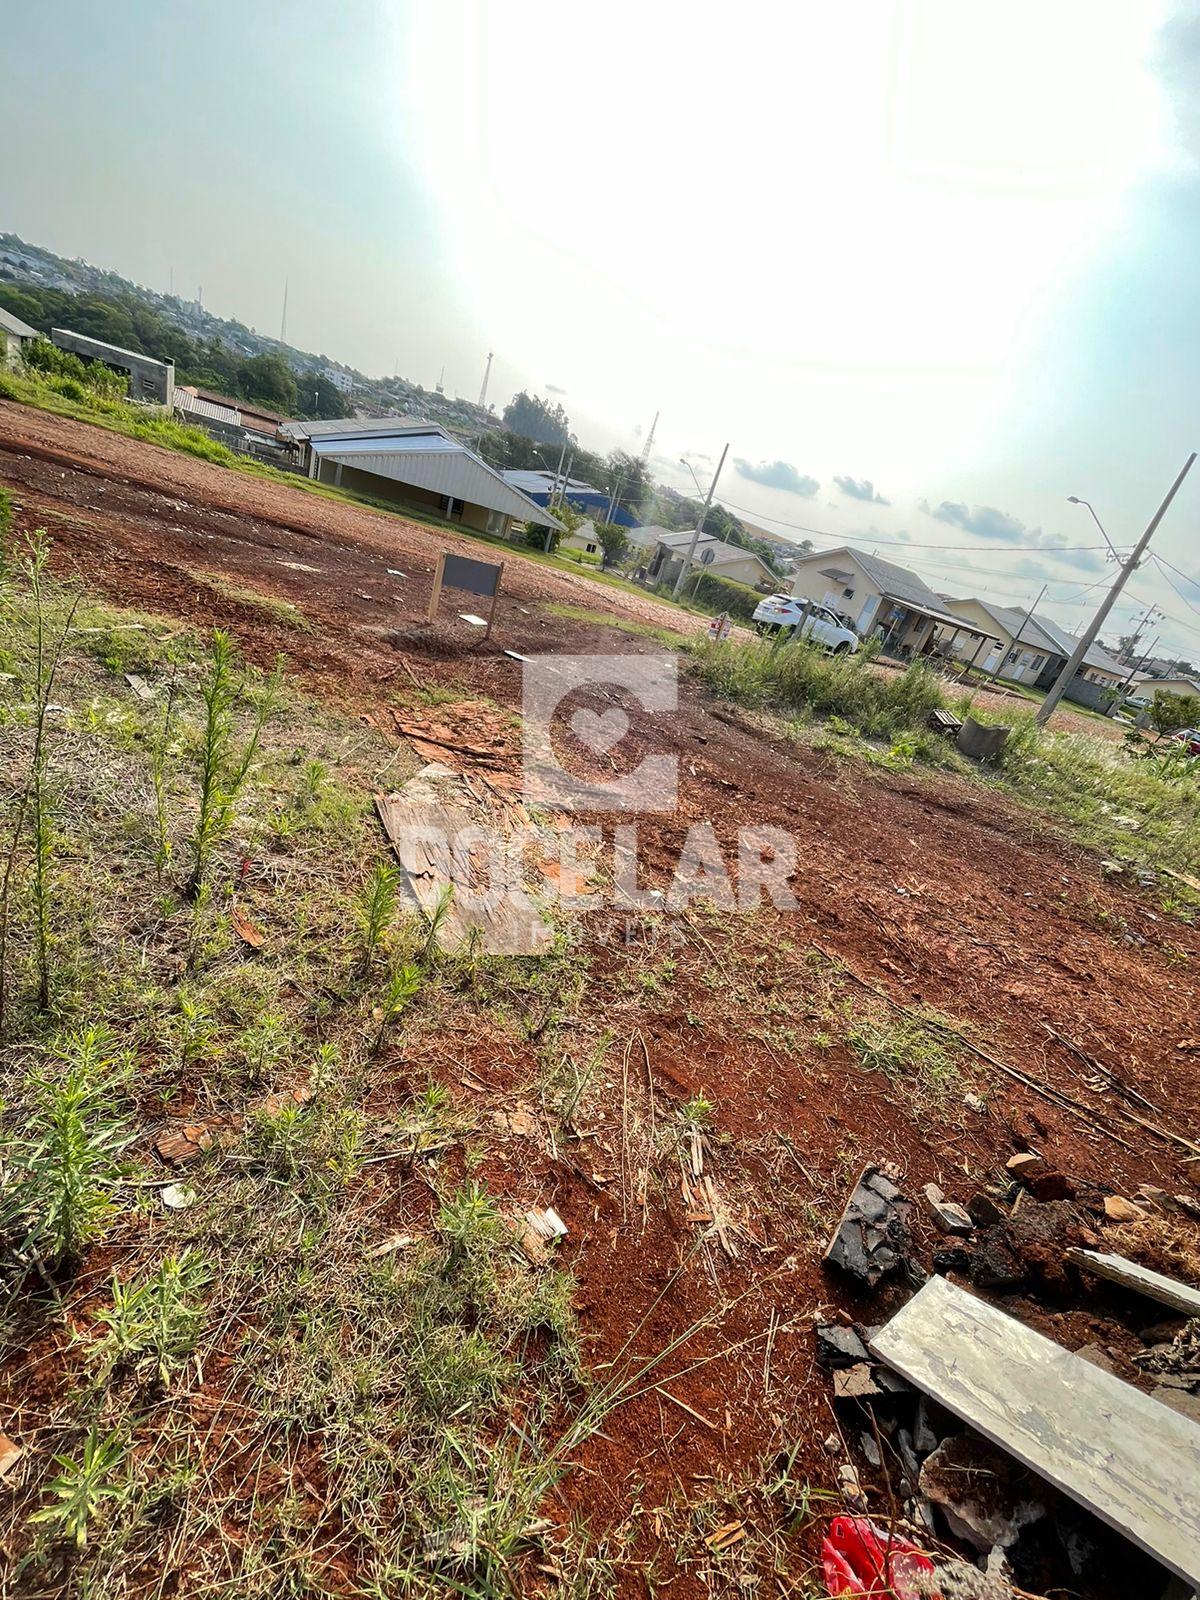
<point x="900" y="544"/>
<point x="1164" y="563"/>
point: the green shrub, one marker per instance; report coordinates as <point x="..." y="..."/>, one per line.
<point x="794" y="675"/>
<point x="715" y="593"/>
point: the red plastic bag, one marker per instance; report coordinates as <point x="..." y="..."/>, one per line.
<point x="860" y="1559"/>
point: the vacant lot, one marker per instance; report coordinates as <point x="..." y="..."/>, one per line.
<point x="669" y="1362"/>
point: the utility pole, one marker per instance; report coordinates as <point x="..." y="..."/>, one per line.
<point x="699" y="528"/>
<point x="558" y="472"/>
<point x="1106" y="605"/>
<point x="1130" y="651"/>
<point x="1019" y="632"/>
<point x="1139" y="666"/>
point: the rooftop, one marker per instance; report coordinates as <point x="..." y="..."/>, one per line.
<point x="15" y="326"/>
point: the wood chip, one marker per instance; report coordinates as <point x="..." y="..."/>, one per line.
<point x="248" y="932"/>
<point x="180" y="1145"/>
<point x="394" y="1242"/>
<point x="10" y="1454"/>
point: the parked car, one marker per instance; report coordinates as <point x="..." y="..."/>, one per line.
<point x="1189" y="737"/>
<point x="823" y="627"/>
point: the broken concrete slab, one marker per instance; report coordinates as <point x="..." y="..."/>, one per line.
<point x="838" y="1346"/>
<point x="1134" y="1466"/>
<point x="872" y="1238"/>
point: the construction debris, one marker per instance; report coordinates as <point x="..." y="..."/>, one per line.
<point x="950" y="1217"/>
<point x="1178" y="1296"/>
<point x="872" y="1239"/>
<point x="539" y="1230"/>
<point x="1118" y="1209"/>
<point x="985" y="1497"/>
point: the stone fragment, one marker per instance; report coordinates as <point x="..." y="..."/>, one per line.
<point x="984" y="1212"/>
<point x="839" y="1347"/>
<point x="947" y="1214"/>
<point x="852" y="1489"/>
<point x="986" y="1496"/>
<point x="952" y="1258"/>
<point x="1118" y="1209"/>
<point x="1023" y="1164"/>
<point x="856" y="1383"/>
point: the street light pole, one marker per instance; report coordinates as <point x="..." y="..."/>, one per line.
<point x="1075" y="500"/>
<point x="696" y="532"/>
<point x="1106" y="605"/>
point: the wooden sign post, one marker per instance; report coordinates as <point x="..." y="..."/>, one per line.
<point x="464" y="572"/>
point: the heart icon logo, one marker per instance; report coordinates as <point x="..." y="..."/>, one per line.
<point x="600" y="733"/>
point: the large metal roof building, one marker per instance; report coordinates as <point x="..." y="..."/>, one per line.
<point x="417" y="464"/>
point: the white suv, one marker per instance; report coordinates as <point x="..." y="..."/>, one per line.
<point x="823" y="626"/>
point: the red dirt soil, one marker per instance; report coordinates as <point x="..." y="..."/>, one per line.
<point x="930" y="889"/>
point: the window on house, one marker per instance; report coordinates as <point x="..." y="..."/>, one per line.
<point x="591" y="549"/>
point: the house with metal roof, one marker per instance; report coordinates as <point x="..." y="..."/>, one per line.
<point x="585" y="498"/>
<point x="1032" y="649"/>
<point x="415" y="464"/>
<point x="14" y="336"/>
<point x="878" y="598"/>
<point x="671" y="551"/>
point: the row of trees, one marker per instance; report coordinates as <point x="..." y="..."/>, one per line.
<point x="267" y="379"/>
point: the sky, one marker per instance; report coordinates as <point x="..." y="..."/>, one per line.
<point x="928" y="266"/>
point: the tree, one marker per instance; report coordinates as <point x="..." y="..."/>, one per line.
<point x="1170" y="712"/>
<point x="269" y="380"/>
<point x="317" y="397"/>
<point x="614" y="542"/>
<point x="628" y="478"/>
<point x="533" y="418"/>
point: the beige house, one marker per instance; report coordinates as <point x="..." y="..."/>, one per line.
<point x="581" y="538"/>
<point x="711" y="555"/>
<point x="1015" y="648"/>
<point x="14" y="336"/>
<point x="1177" y="685"/>
<point x="878" y="598"/>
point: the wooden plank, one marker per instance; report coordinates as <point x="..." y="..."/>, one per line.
<point x="416" y="828"/>
<point x="1124" y="1456"/>
<point x="1167" y="1291"/>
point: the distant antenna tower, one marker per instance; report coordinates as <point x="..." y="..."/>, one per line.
<point x="441" y="383"/>
<point x="200" y="295"/>
<point x="487" y="372"/>
<point x="649" y="444"/>
<point x="283" y="318"/>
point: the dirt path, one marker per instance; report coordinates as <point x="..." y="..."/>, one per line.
<point x="937" y="892"/>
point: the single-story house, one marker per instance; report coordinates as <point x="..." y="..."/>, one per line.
<point x="1015" y="647"/>
<point x="14" y="336"/>
<point x="415" y="464"/>
<point x="584" y="497"/>
<point x="711" y="555"/>
<point x="1175" y="685"/>
<point x="1033" y="650"/>
<point x="877" y="597"/>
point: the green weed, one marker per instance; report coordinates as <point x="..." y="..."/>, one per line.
<point x="80" y="1488"/>
<point x="154" y="1321"/>
<point x="66" y="1159"/>
<point x="375" y="910"/>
